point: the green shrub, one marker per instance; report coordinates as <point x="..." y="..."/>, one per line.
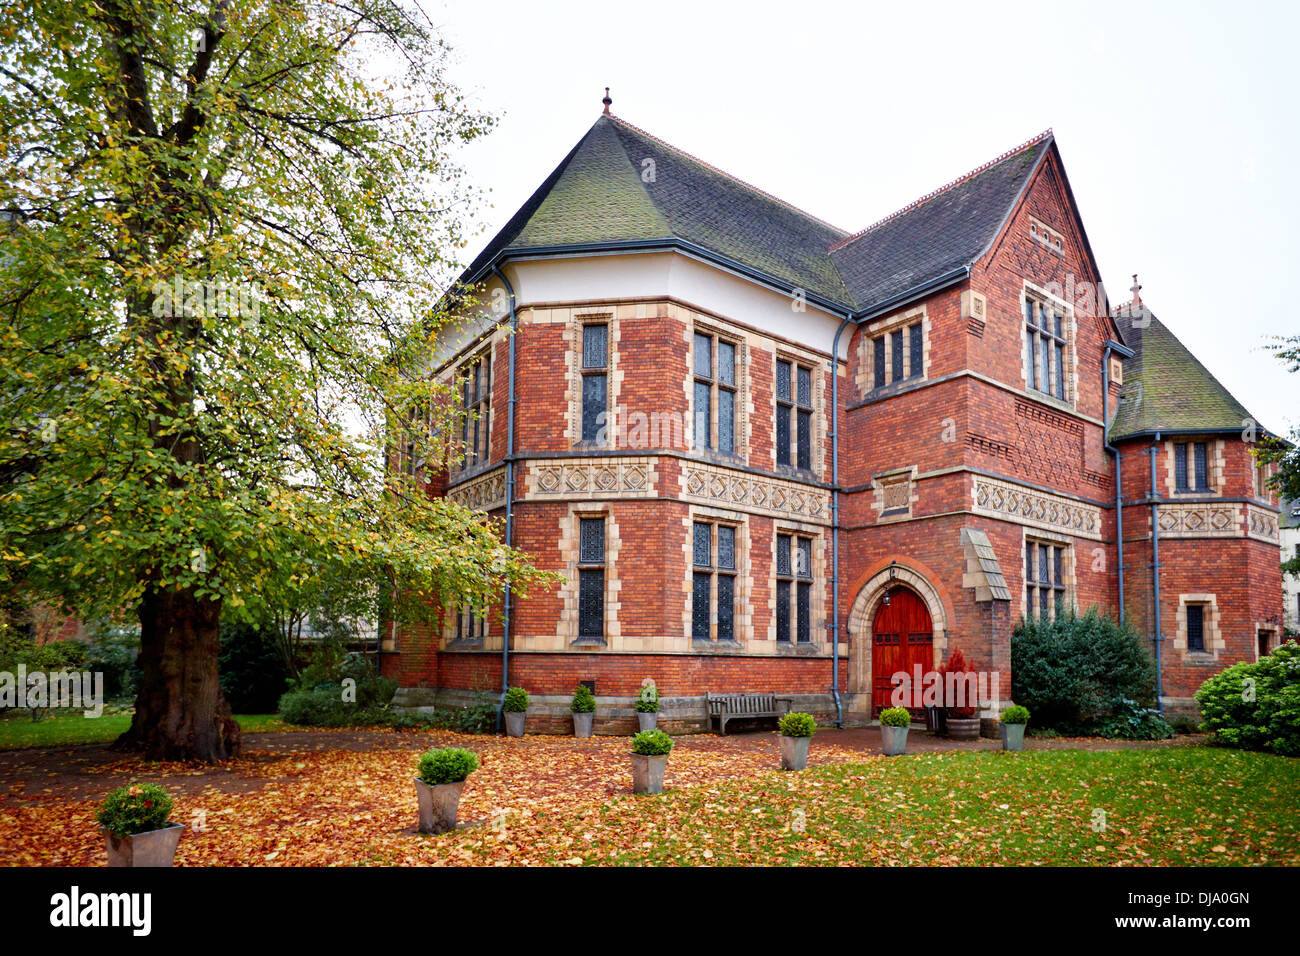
<point x="1076" y="671"/>
<point x="516" y="701"/>
<point x="1015" y="714"/>
<point x="113" y="652"/>
<point x="651" y="743"/>
<point x="446" y="765"/>
<point x="647" y="702"/>
<point x="1256" y="705"/>
<point x="895" y="717"/>
<point x="1129" y="720"/>
<point x="797" y="725"/>
<point x="135" y="808"/>
<point x="253" y="674"/>
<point x="584" y="701"/>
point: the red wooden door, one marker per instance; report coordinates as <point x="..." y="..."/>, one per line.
<point x="901" y="637"/>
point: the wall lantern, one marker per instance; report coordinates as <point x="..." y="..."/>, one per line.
<point x="889" y="585"/>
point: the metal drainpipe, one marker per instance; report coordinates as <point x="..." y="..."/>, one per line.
<point x="1119" y="507"/>
<point x="835" y="522"/>
<point x="1155" y="571"/>
<point x="508" y="600"/>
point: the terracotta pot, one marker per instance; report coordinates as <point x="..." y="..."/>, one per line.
<point x="648" y="772"/>
<point x="794" y="752"/>
<point x="439" y="805"/>
<point x="151" y="848"/>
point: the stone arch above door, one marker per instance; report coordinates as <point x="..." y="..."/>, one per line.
<point x="863" y="612"/>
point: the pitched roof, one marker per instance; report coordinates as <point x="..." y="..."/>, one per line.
<point x="619" y="184"/>
<point x="939" y="233"/>
<point x="1166" y="388"/>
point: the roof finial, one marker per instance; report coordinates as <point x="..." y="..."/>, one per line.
<point x="607" y="101"/>
<point x="1136" y="289"/>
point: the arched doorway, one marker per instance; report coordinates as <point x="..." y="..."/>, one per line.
<point x="902" y="636"/>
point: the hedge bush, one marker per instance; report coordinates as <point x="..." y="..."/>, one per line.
<point x="516" y="701"/>
<point x="1078" y="670"/>
<point x="584" y="701"/>
<point x="252" y="670"/>
<point x="651" y="743"/>
<point x="895" y="717"/>
<point x="135" y="808"/>
<point x="1015" y="714"/>
<point x="1271" y="720"/>
<point x="797" y="725"/>
<point x="446" y="765"/>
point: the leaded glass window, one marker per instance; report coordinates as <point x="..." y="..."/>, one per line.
<point x="793" y="588"/>
<point x="591" y="578"/>
<point x="595" y="382"/>
<point x="715" y="393"/>
<point x="713" y="582"/>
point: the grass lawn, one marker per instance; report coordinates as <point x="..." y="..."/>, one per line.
<point x="55" y="730"/>
<point x="1190" y="806"/>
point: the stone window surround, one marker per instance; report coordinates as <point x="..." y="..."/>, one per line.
<point x="817" y="451"/>
<point x="744" y="399"/>
<point x="820" y="640"/>
<point x="866" y="377"/>
<point x="1028" y="291"/>
<point x="1046" y="235"/>
<point x="1211" y="629"/>
<point x="1068" y="570"/>
<point x="1215" y="466"/>
<point x="1269" y="628"/>
<point x="567" y="628"/>
<point x="614" y="374"/>
<point x="743" y="622"/>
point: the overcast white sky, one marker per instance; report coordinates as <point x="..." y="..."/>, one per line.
<point x="1177" y="123"/>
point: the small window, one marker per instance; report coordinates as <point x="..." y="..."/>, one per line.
<point x="1195" y="627"/>
<point x="595" y="379"/>
<point x="471" y="625"/>
<point x="794" y="405"/>
<point x="1045" y="353"/>
<point x="1191" y="466"/>
<point x="898" y="355"/>
<point x="476" y="392"/>
<point x="713" y="582"/>
<point x="917" y="361"/>
<point x="715" y="388"/>
<point x="591" y="579"/>
<point x="793" y="588"/>
<point x="1044" y="580"/>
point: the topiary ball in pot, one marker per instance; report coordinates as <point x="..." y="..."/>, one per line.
<point x="439" y="781"/>
<point x="894" y="723"/>
<point x="796" y="730"/>
<point x="583" y="707"/>
<point x="133" y="820"/>
<point x="650" y="750"/>
<point x="515" y="707"/>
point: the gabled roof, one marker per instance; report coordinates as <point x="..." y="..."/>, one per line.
<point x="619" y="185"/>
<point x="940" y="233"/>
<point x="1166" y="389"/>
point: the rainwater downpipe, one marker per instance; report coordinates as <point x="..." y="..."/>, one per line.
<point x="1155" y="571"/>
<point x="508" y="598"/>
<point x="835" y="522"/>
<point x="1105" y="432"/>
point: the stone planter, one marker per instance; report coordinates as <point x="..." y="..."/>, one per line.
<point x="648" y="773"/>
<point x="151" y="848"/>
<point x="646" y="721"/>
<point x="794" y="752"/>
<point x="1013" y="736"/>
<point x="582" y="724"/>
<point x="439" y="805"/>
<point x="515" y="723"/>
<point x="963" y="728"/>
<point x="893" y="740"/>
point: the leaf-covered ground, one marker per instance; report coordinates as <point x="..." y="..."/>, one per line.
<point x="346" y="798"/>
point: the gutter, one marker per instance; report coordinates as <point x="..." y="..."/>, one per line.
<point x="508" y="597"/>
<point x="1113" y="347"/>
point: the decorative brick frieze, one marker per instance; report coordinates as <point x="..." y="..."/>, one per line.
<point x="604" y="477"/>
<point x="728" y="487"/>
<point x="483" y="493"/>
<point x="1037" y="509"/>
<point x="1262" y="525"/>
<point x="1200" y="520"/>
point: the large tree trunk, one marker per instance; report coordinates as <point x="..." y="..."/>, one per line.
<point x="180" y="712"/>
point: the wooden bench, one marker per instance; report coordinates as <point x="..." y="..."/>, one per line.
<point x="725" y="707"/>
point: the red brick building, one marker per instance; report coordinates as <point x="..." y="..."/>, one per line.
<point x="769" y="455"/>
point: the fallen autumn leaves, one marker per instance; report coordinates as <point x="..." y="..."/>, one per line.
<point x="556" y="800"/>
